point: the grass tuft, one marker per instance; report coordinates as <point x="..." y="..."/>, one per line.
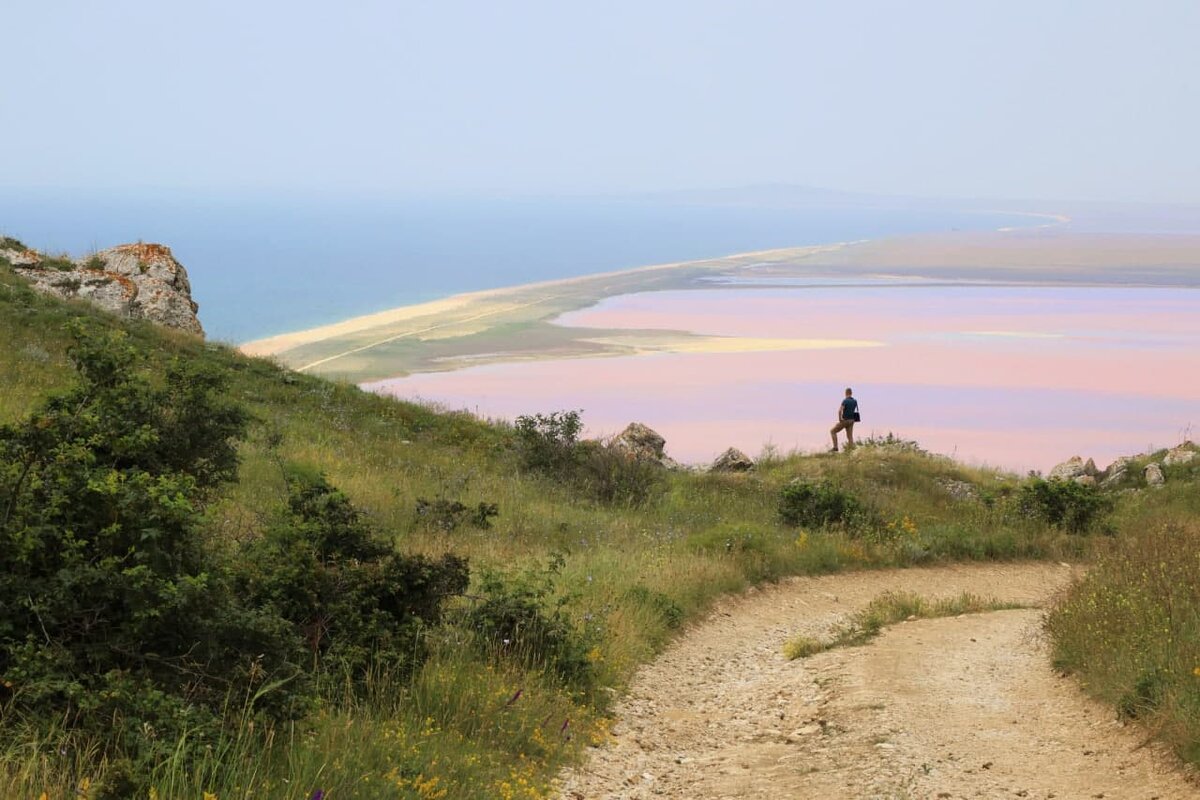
<point x="889" y="609"/>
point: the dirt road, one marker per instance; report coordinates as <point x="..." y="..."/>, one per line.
<point x="961" y="707"/>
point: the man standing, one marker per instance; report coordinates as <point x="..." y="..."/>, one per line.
<point x="847" y="416"/>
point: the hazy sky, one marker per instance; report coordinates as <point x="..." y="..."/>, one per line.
<point x="1087" y="99"/>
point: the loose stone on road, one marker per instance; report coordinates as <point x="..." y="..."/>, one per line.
<point x="962" y="707"/>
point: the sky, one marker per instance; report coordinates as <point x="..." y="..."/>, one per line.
<point x="1040" y="99"/>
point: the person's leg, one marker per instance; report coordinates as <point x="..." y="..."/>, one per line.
<point x="833" y="432"/>
<point x="849" y="434"/>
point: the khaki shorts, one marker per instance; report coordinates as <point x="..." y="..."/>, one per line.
<point x="846" y="425"/>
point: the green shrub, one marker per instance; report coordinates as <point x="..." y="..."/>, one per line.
<point x="617" y="477"/>
<point x="1072" y="506"/>
<point x="518" y="616"/>
<point x="818" y="504"/>
<point x="9" y="243"/>
<point x="445" y="515"/>
<point x="114" y="617"/>
<point x="547" y="443"/>
<point x="352" y="602"/>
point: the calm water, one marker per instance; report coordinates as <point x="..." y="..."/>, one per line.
<point x="265" y="265"/>
<point x="1015" y="377"/>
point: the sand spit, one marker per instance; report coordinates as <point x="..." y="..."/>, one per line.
<point x="476" y="313"/>
<point x="518" y="323"/>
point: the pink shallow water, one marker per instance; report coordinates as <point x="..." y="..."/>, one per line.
<point x="1099" y="372"/>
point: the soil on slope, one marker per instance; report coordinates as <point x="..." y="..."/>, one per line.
<point x="944" y="708"/>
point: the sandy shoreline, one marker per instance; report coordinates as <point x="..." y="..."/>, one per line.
<point x="517" y="323"/>
<point x="273" y="345"/>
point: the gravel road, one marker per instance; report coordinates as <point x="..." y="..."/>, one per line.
<point x="962" y="707"/>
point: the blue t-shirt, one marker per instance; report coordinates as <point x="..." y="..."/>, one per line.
<point x="849" y="406"/>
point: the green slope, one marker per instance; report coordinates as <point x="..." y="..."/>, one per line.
<point x="467" y="726"/>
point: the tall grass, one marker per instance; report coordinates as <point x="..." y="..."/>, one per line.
<point x="1130" y="630"/>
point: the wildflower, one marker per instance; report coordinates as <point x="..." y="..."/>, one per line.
<point x="210" y="796"/>
<point x="319" y="794"/>
<point x="44" y="796"/>
<point x="1196" y="672"/>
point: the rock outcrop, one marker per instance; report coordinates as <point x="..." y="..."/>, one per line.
<point x="1116" y="472"/>
<point x="959" y="490"/>
<point x="1183" y="454"/>
<point x="1154" y="475"/>
<point x="732" y="460"/>
<point x="641" y="441"/>
<point x="1075" y="469"/>
<point x="136" y="281"/>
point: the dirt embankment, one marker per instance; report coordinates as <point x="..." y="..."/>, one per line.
<point x="945" y="708"/>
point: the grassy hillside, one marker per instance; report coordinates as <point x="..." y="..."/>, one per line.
<point x="618" y="576"/>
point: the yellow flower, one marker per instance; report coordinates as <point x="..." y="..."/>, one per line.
<point x="44" y="796"/>
<point x="210" y="796"/>
<point x="1196" y="672"/>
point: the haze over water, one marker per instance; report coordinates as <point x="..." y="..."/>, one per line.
<point x="1015" y="377"/>
<point x="263" y="265"/>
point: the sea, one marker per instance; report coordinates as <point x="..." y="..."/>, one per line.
<point x="267" y="264"/>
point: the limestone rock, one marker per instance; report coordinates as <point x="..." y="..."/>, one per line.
<point x="1116" y="472"/>
<point x="1073" y="468"/>
<point x="1085" y="480"/>
<point x="136" y="281"/>
<point x="732" y="460"/>
<point x="1154" y="475"/>
<point x="641" y="441"/>
<point x="1113" y="478"/>
<point x="959" y="490"/>
<point x="1119" y="464"/>
<point x="1183" y="454"/>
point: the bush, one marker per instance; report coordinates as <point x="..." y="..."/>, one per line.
<point x="517" y="618"/>
<point x="1072" y="506"/>
<point x="617" y="477"/>
<point x="350" y="600"/>
<point x="550" y="445"/>
<point x="818" y="504"/>
<point x="445" y="515"/>
<point x="114" y="617"/>
<point x="547" y="443"/>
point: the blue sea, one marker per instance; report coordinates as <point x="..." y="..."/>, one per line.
<point x="262" y="265"/>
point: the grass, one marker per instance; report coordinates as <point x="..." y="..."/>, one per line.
<point x="1130" y="629"/>
<point x="633" y="574"/>
<point x="888" y="609"/>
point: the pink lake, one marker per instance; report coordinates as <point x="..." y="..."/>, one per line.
<point x="1017" y="377"/>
